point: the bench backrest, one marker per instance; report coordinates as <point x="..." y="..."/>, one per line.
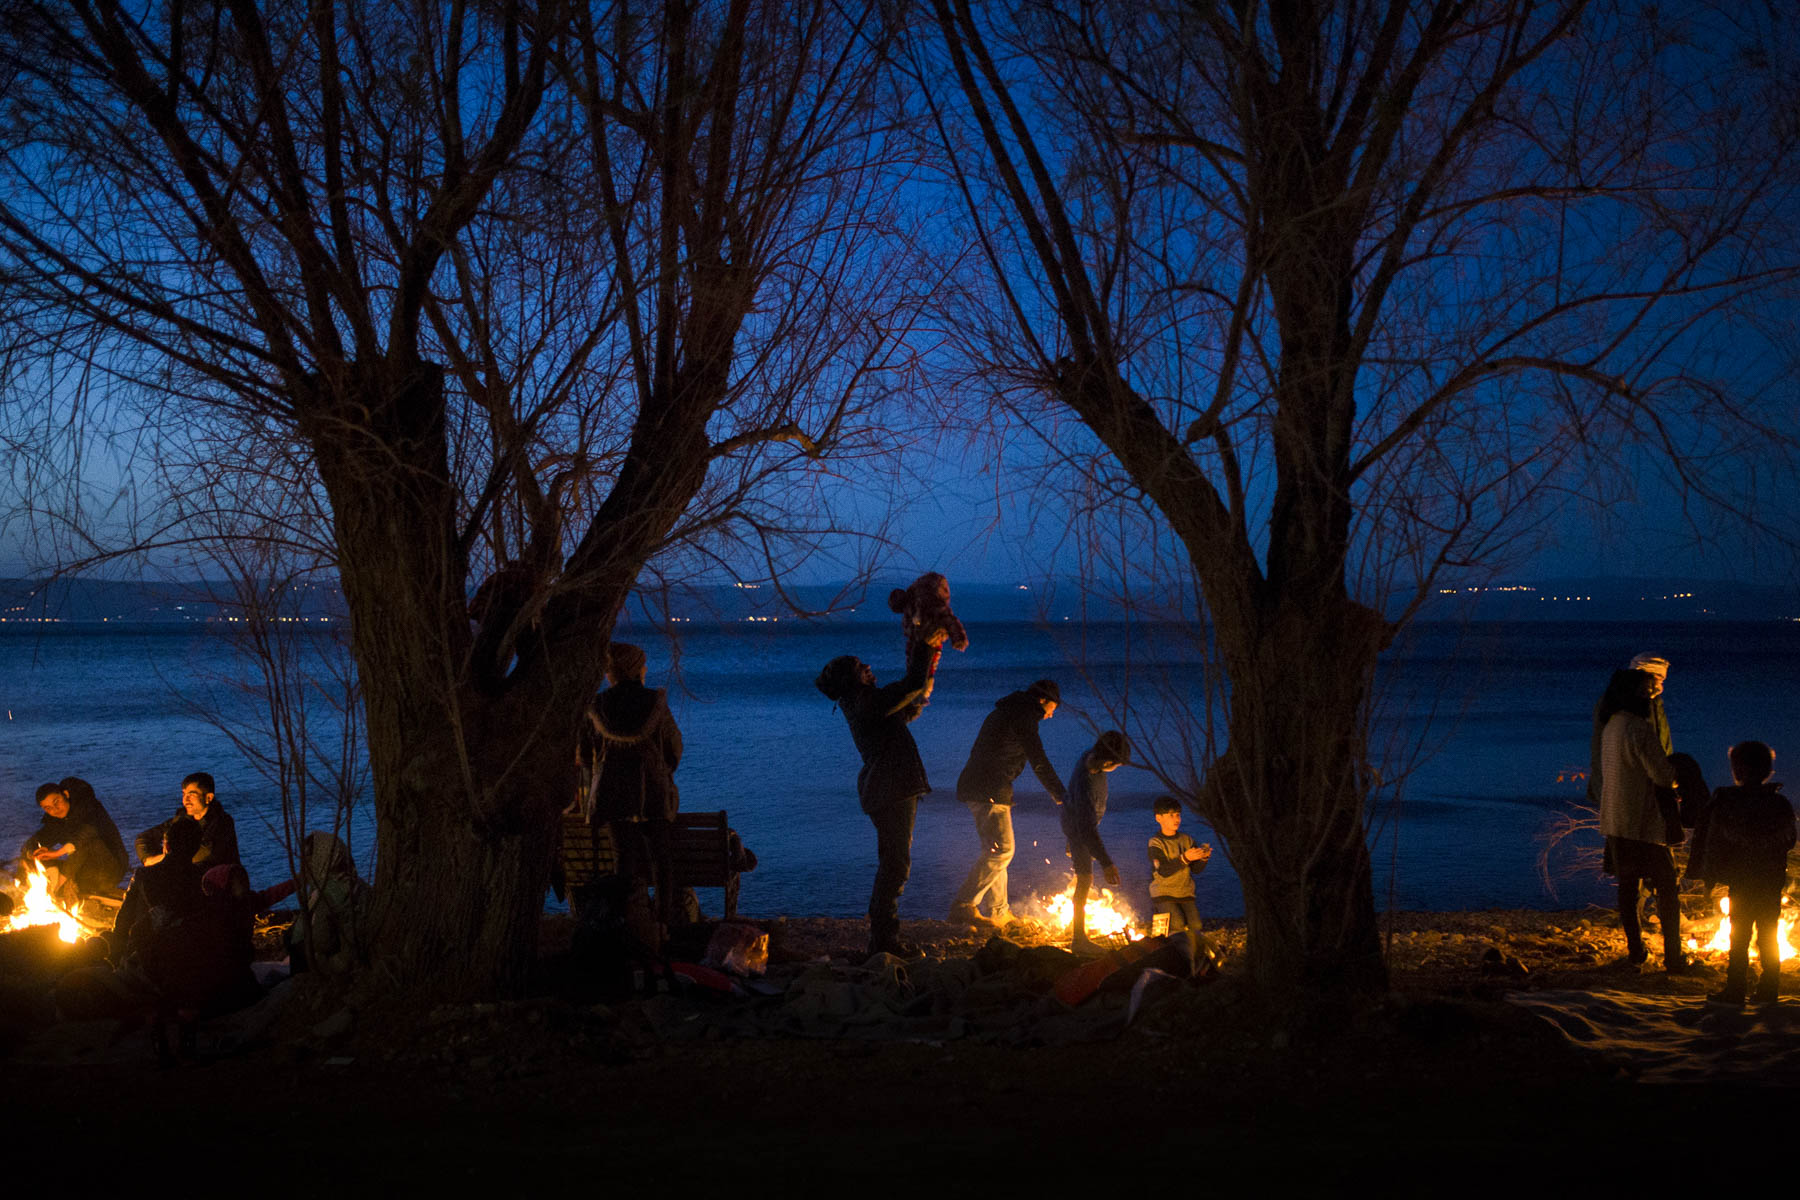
<point x="587" y="853"/>
<point x="699" y="849"/>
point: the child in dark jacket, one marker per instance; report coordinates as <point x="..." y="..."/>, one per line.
<point x="1081" y="815"/>
<point x="925" y="616"/>
<point x="1751" y="830"/>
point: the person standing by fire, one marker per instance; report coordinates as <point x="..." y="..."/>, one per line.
<point x="1632" y="766"/>
<point x="78" y="845"/>
<point x="1008" y="740"/>
<point x="1081" y="817"/>
<point x="892" y="778"/>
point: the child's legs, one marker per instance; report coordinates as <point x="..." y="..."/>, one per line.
<point x="1183" y="913"/>
<point x="1768" y="953"/>
<point x="1737" y="964"/>
<point x="1762" y="909"/>
<point x="1084" y="879"/>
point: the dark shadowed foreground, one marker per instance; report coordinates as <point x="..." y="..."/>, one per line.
<point x="1444" y="1086"/>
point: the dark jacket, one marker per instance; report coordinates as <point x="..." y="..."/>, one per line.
<point x="218" y="838"/>
<point x="99" y="857"/>
<point x="631" y="747"/>
<point x="1750" y="831"/>
<point x="877" y="717"/>
<point x="1007" y="741"/>
<point x="1082" y="812"/>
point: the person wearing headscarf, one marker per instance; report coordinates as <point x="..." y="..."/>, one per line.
<point x="1632" y="766"/>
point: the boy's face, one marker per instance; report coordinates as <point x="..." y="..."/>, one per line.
<point x="1169" y="822"/>
<point x="942" y="588"/>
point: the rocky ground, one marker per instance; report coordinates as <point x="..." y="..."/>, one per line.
<point x="946" y="1074"/>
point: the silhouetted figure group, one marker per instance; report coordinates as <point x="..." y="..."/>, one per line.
<point x="1649" y="796"/>
<point x="892" y="779"/>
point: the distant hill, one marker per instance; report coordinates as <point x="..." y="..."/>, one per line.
<point x="89" y="602"/>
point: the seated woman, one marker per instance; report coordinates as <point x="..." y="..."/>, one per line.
<point x="77" y="845"/>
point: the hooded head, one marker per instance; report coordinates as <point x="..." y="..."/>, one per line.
<point x="839" y="676"/>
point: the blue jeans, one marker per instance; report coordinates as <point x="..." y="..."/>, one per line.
<point x="993" y="825"/>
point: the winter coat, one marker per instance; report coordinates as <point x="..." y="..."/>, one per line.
<point x="1750" y="831"/>
<point x="631" y="747"/>
<point x="1007" y="741"/>
<point x="1633" y="766"/>
<point x="877" y="716"/>
<point x="99" y="857"/>
<point x="218" y="838"/>
<point x="326" y="935"/>
<point x="923" y="613"/>
<point x="1082" y="812"/>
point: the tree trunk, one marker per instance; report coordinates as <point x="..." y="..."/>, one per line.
<point x="467" y="780"/>
<point x="1288" y="798"/>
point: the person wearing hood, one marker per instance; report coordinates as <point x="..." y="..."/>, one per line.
<point x="630" y="748"/>
<point x="1008" y="740"/>
<point x="327" y="933"/>
<point x="892" y="778"/>
<point x="77" y="841"/>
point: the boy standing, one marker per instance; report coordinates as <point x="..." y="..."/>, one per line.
<point x="1751" y="829"/>
<point x="1174" y="861"/>
<point x="1081" y="816"/>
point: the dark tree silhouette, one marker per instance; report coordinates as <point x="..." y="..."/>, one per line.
<point x="521" y="297"/>
<point x="1346" y="293"/>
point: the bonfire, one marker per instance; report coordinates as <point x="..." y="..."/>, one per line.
<point x="1108" y="916"/>
<point x="1720" y="941"/>
<point x="33" y="905"/>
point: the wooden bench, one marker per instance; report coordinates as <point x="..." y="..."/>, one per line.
<point x="699" y="850"/>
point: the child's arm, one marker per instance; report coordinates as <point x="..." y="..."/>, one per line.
<point x="959" y="637"/>
<point x="1162" y="863"/>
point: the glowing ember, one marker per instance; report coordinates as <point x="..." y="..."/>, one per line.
<point x="1107" y="914"/>
<point x="1720" y="942"/>
<point x="33" y="906"/>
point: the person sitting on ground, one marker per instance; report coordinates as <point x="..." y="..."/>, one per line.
<point x="1752" y="830"/>
<point x="165" y="889"/>
<point x="1633" y="766"/>
<point x="218" y="845"/>
<point x="1081" y="818"/>
<point x="630" y="747"/>
<point x="926" y="620"/>
<point x="1007" y="741"/>
<point x="1174" y="861"/>
<point x="78" y="845"/>
<point x="327" y="934"/>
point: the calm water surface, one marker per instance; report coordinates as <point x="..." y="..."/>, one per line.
<point x="1493" y="715"/>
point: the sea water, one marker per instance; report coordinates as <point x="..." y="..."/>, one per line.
<point x="1481" y="742"/>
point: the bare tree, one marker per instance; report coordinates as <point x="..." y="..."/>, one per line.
<point x="1348" y="296"/>
<point x="522" y="297"/>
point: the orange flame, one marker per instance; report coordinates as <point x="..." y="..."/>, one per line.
<point x="1107" y="913"/>
<point x="1720" y="942"/>
<point x="33" y="905"/>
